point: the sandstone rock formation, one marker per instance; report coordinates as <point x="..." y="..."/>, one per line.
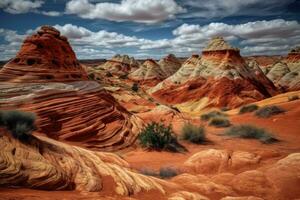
<point x="44" y="57"/>
<point x="45" y="164"/>
<point x="120" y="64"/>
<point x="286" y="73"/>
<point x="67" y="108"/>
<point x="221" y="75"/>
<point x="149" y="73"/>
<point x="169" y="64"/>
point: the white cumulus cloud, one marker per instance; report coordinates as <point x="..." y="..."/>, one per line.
<point x="143" y="11"/>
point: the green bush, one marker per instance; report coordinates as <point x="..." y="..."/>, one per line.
<point x="269" y="111"/>
<point x="212" y="114"/>
<point x="293" y="98"/>
<point x="251" y="132"/>
<point x="248" y="108"/>
<point x="167" y="172"/>
<point x="219" y="122"/>
<point x="135" y="87"/>
<point x="20" y="124"/>
<point x="157" y="136"/>
<point x="108" y="74"/>
<point x="193" y="133"/>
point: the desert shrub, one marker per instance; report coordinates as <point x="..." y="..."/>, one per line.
<point x="219" y="122"/>
<point x="148" y="172"/>
<point x="135" y="87"/>
<point x="212" y="114"/>
<point x="224" y="109"/>
<point x="248" y="108"/>
<point x="251" y="132"/>
<point x="268" y="111"/>
<point x="194" y="134"/>
<point x="293" y="98"/>
<point x="168" y="172"/>
<point x="91" y="76"/>
<point x="108" y="74"/>
<point x="157" y="136"/>
<point x="20" y="124"/>
<point x="124" y="76"/>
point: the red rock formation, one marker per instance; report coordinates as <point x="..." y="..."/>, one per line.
<point x="44" y="57"/>
<point x="45" y="78"/>
<point x="221" y="75"/>
<point x="293" y="56"/>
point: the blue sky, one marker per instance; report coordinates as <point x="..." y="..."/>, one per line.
<point x="154" y="28"/>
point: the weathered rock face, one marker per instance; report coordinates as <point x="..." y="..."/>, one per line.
<point x="69" y="109"/>
<point x="121" y="64"/>
<point x="43" y="163"/>
<point x="286" y="74"/>
<point x="221" y="75"/>
<point x="169" y="65"/>
<point x="149" y="73"/>
<point x="44" y="57"/>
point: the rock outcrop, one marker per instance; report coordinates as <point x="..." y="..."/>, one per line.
<point x="169" y="65"/>
<point x="44" y="57"/>
<point x="120" y="64"/>
<point x="221" y="75"/>
<point x="67" y="108"/>
<point x="149" y="73"/>
<point x="286" y="73"/>
<point x="45" y="164"/>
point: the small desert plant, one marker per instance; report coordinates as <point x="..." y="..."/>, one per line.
<point x="224" y="109"/>
<point x="108" y="74"/>
<point x="157" y="136"/>
<point x="251" y="132"/>
<point x="248" y="108"/>
<point x="293" y="98"/>
<point x="269" y="111"/>
<point x="148" y="172"/>
<point x="124" y="76"/>
<point x="168" y="172"/>
<point x="219" y="122"/>
<point x="20" y="124"/>
<point x="135" y="87"/>
<point x="212" y="114"/>
<point x="91" y="76"/>
<point x="194" y="134"/>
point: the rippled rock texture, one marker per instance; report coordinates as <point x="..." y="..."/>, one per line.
<point x="221" y="76"/>
<point x="67" y="105"/>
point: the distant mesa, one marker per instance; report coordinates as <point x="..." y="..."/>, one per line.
<point x="148" y="73"/>
<point x="44" y="57"/>
<point x="285" y="74"/>
<point x="169" y="64"/>
<point x="120" y="64"/>
<point x="47" y="79"/>
<point x="151" y="72"/>
<point x="220" y="77"/>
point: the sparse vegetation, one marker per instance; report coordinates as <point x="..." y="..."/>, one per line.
<point x="135" y="87"/>
<point x="212" y="114"/>
<point x="194" y="134"/>
<point x="219" y="122"/>
<point x="124" y="76"/>
<point x="91" y="76"/>
<point x="157" y="136"/>
<point x="224" y="109"/>
<point x="108" y="74"/>
<point x="164" y="172"/>
<point x="148" y="172"/>
<point x="167" y="172"/>
<point x="269" y="111"/>
<point x="251" y="132"/>
<point x="293" y="98"/>
<point x="20" y="124"/>
<point x="248" y="108"/>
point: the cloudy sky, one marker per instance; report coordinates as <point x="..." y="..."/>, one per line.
<point x="154" y="28"/>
